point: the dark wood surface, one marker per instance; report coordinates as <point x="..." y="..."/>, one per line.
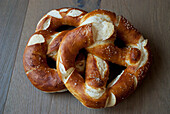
<point x="18" y="22"/>
<point x="12" y="16"/>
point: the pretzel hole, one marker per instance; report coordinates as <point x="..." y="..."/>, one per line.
<point x="114" y="71"/>
<point x="119" y="43"/>
<point x="80" y="66"/>
<point x="51" y="63"/>
<point x="64" y="27"/>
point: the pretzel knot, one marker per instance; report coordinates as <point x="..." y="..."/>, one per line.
<point x="97" y="33"/>
<point x="45" y="43"/>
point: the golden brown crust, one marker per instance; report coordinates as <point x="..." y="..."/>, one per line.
<point x="65" y="20"/>
<point x="35" y="64"/>
<point x="126" y="32"/>
<point x="70" y="47"/>
<point x="45" y="42"/>
<point x="76" y="86"/>
<point x="45" y="79"/>
<point x="110" y="52"/>
<point x="123" y="87"/>
<point x="92" y="92"/>
<point x="93" y="77"/>
<point x="54" y="45"/>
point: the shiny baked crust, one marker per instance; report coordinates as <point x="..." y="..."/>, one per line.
<point x="96" y="32"/>
<point x="92" y="92"/>
<point x="45" y="43"/>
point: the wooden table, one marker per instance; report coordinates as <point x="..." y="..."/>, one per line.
<point x="18" y="21"/>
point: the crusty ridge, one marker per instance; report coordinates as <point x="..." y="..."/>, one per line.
<point x="92" y="92"/>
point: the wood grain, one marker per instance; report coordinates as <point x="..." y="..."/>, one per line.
<point x="150" y="17"/>
<point x="11" y="22"/>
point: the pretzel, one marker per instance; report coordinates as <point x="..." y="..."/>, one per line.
<point x="45" y="43"/>
<point x="96" y="35"/>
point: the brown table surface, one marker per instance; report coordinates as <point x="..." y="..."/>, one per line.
<point x="18" y="19"/>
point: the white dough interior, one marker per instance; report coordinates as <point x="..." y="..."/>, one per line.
<point x="36" y="39"/>
<point x="102" y="31"/>
<point x="74" y="13"/>
<point x="41" y="20"/>
<point x="65" y="73"/>
<point x="98" y="18"/>
<point x="46" y="24"/>
<point x="102" y="66"/>
<point x="94" y="93"/>
<point x="63" y="10"/>
<point x="144" y="54"/>
<point x="111" y="100"/>
<point x="102" y="27"/>
<point x="55" y="13"/>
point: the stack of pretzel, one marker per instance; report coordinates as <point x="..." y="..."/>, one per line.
<point x="95" y="32"/>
